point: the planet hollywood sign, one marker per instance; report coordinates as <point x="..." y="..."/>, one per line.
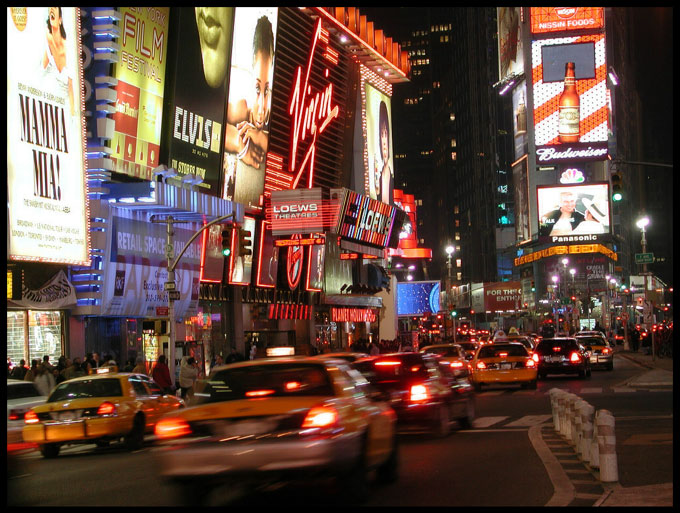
<point x="353" y="315"/>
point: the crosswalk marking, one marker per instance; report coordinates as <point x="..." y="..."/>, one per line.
<point x="529" y="420"/>
<point x="624" y="390"/>
<point x="483" y="422"/>
<point x="591" y="390"/>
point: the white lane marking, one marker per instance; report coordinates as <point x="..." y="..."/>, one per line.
<point x="591" y="390"/>
<point x="564" y="489"/>
<point x="529" y="420"/>
<point x="483" y="422"/>
<point x="623" y="390"/>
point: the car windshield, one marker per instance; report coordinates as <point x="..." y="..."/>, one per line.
<point x="592" y="341"/>
<point x="442" y="351"/>
<point x="22" y="391"/>
<point x="282" y="380"/>
<point x="555" y="345"/>
<point x="393" y="370"/>
<point x="469" y="346"/>
<point x="86" y="388"/>
<point x="496" y="350"/>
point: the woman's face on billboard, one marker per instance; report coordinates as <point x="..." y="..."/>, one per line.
<point x="384" y="143"/>
<point x="214" y="33"/>
<point x="262" y="93"/>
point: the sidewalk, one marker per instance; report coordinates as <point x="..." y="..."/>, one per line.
<point x="660" y="375"/>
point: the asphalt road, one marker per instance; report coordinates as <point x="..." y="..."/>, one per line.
<point x="495" y="463"/>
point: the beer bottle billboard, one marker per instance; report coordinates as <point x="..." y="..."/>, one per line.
<point x="569" y="115"/>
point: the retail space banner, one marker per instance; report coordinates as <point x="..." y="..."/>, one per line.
<point x="136" y="270"/>
<point x="48" y="220"/>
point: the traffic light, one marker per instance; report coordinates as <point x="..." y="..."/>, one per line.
<point x="226" y="242"/>
<point x="454" y="314"/>
<point x="617" y="188"/>
<point x="244" y="242"/>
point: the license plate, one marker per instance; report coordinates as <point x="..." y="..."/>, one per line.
<point x="547" y="359"/>
<point x="68" y="415"/>
<point x="506" y="366"/>
<point x="246" y="427"/>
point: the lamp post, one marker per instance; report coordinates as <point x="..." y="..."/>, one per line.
<point x="555" y="279"/>
<point x="648" y="310"/>
<point x="572" y="271"/>
<point x="449" y="251"/>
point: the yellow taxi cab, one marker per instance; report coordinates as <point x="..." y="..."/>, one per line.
<point x="504" y="363"/>
<point x="276" y="420"/>
<point x="97" y="409"/>
<point x="601" y="350"/>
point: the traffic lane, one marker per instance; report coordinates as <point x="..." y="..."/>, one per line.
<point x="87" y="475"/>
<point x="644" y="450"/>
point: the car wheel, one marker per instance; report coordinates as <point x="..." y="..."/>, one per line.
<point x="388" y="472"/>
<point x="134" y="440"/>
<point x="102" y="443"/>
<point x="442" y="422"/>
<point x="466" y="422"/>
<point x="610" y="367"/>
<point x="588" y="372"/>
<point x="531" y="385"/>
<point x="50" y="450"/>
<point x="478" y="387"/>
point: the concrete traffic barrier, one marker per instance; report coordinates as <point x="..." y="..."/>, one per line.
<point x="561" y="407"/>
<point x="570" y="418"/>
<point x="555" y="393"/>
<point x="606" y="444"/>
<point x="586" y="438"/>
<point x="576" y="422"/>
<point x="594" y="449"/>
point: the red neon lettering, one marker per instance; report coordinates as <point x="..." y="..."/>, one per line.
<point x="310" y="114"/>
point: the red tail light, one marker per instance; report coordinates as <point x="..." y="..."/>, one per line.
<point x="31" y="417"/>
<point x="387" y="363"/>
<point x="13" y="415"/>
<point x="606" y="350"/>
<point x="534" y="357"/>
<point x="457" y="365"/>
<point x="530" y="362"/>
<point x="419" y="393"/>
<point x="320" y="417"/>
<point x="481" y="365"/>
<point x="575" y="357"/>
<point x="106" y="408"/>
<point x="259" y="393"/>
<point x="172" y="427"/>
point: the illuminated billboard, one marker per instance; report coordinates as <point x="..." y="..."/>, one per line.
<point x="139" y="91"/>
<point x="418" y="297"/>
<point x="366" y="220"/>
<point x="570" y="99"/>
<point x="562" y="19"/>
<point x="510" y="52"/>
<point x="241" y="266"/>
<point x="246" y="138"/>
<point x="379" y="147"/>
<point x="197" y="103"/>
<point x="573" y="213"/>
<point x="48" y="217"/>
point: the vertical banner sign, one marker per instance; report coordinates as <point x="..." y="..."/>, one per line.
<point x="522" y="205"/>
<point x="246" y="137"/>
<point x="48" y="219"/>
<point x="267" y="258"/>
<point x="241" y="266"/>
<point x="139" y="92"/>
<point x="212" y="259"/>
<point x="200" y="88"/>
<point x="510" y="53"/>
<point x="379" y="145"/>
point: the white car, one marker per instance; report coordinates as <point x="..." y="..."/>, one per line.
<point x="21" y="397"/>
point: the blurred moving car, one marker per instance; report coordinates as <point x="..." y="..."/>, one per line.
<point x="564" y="355"/>
<point x="522" y="339"/>
<point x="601" y="350"/>
<point x="421" y="391"/>
<point x="503" y="363"/>
<point x="98" y="409"/>
<point x="470" y="348"/>
<point x="21" y="397"/>
<point x="452" y="355"/>
<point x="484" y="339"/>
<point x="273" y="420"/>
<point x="347" y="356"/>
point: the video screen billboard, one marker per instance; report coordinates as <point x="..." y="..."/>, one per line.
<point x="48" y="219"/>
<point x="510" y="49"/>
<point x="379" y="144"/>
<point x="246" y="138"/>
<point x="139" y="92"/>
<point x="562" y="19"/>
<point x="570" y="98"/>
<point x="581" y="211"/>
<point x="418" y="297"/>
<point x="198" y="102"/>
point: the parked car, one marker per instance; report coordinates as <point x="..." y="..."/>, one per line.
<point x="97" y="409"/>
<point x="21" y="397"/>
<point x="563" y="355"/>
<point x="422" y="394"/>
<point x="266" y="421"/>
<point x="503" y="363"/>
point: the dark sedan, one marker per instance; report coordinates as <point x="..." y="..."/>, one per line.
<point x="562" y="356"/>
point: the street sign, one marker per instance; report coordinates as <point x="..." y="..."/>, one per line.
<point x="170" y="285"/>
<point x="173" y="295"/>
<point x="644" y="258"/>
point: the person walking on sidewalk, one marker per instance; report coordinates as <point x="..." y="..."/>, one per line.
<point x="635" y="339"/>
<point x="161" y="375"/>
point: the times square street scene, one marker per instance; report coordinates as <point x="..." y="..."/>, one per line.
<point x="339" y="256"/>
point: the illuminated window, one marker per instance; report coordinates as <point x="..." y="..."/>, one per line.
<point x="459" y="276"/>
<point x="457" y="223"/>
<point x="453" y="155"/>
<point x="457" y="236"/>
<point x="453" y="142"/>
<point x="452" y="116"/>
<point x="456" y="210"/>
<point x="459" y="262"/>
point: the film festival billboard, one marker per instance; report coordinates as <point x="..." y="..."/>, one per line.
<point x="573" y="213"/>
<point x="48" y="218"/>
<point x="139" y="92"/>
<point x="379" y="145"/>
<point x="198" y="101"/>
<point x="418" y="297"/>
<point x="571" y="116"/>
<point x="246" y="137"/>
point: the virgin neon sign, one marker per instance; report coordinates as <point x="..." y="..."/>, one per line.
<point x="312" y="113"/>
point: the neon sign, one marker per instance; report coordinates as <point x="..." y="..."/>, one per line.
<point x="294" y="264"/>
<point x="311" y="113"/>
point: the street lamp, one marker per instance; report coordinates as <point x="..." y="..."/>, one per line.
<point x="642" y="223"/>
<point x="555" y="279"/>
<point x="449" y="251"/>
<point x="572" y="271"/>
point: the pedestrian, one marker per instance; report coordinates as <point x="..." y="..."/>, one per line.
<point x="375" y="350"/>
<point x="129" y="365"/>
<point x="61" y="374"/>
<point x="140" y="366"/>
<point x="19" y="372"/>
<point x="95" y="361"/>
<point x="46" y="363"/>
<point x="635" y="339"/>
<point x="44" y="380"/>
<point x="161" y="375"/>
<point x="188" y="373"/>
<point x="253" y="351"/>
<point x="33" y="371"/>
<point x="233" y="357"/>
<point x="73" y="370"/>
